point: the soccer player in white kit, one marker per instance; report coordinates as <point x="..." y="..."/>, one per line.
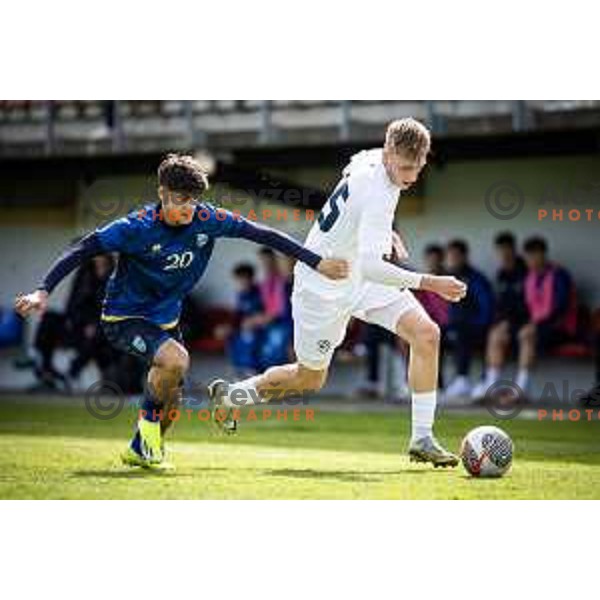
<point x="356" y="224"/>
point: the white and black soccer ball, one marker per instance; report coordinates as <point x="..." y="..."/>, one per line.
<point x="486" y="452"/>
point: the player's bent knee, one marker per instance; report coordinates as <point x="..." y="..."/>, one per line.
<point x="499" y="334"/>
<point x="527" y="334"/>
<point x="428" y="333"/>
<point x="172" y="356"/>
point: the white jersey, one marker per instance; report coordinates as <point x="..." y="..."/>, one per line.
<point x="355" y="225"/>
<point x="358" y="215"/>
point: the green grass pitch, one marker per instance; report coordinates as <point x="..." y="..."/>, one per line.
<point x="52" y="450"/>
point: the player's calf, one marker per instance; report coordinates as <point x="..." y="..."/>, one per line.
<point x="290" y="378"/>
<point x="281" y="383"/>
<point x="162" y="393"/>
<point x="423" y="336"/>
<point x="277" y="383"/>
<point x="165" y="379"/>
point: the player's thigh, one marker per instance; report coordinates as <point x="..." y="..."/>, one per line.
<point x="319" y="328"/>
<point x="402" y="314"/>
<point x="140" y="338"/>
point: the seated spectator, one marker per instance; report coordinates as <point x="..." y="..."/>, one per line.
<point x="277" y="322"/>
<point x="84" y="309"/>
<point x="11" y="327"/>
<point x="469" y="320"/>
<point x="436" y="306"/>
<point x="551" y="301"/>
<point x="246" y="336"/>
<point x="375" y="338"/>
<point x="592" y="398"/>
<point x="287" y="268"/>
<point x="511" y="311"/>
<point x="77" y="328"/>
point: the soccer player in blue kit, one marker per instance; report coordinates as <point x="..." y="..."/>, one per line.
<point x="160" y="261"/>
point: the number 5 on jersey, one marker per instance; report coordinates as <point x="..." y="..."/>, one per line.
<point x="331" y="211"/>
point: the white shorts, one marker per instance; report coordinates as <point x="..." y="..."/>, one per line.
<point x="320" y="324"/>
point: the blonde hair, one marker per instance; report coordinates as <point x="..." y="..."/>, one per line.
<point x="408" y="136"/>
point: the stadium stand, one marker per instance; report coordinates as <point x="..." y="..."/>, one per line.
<point x="94" y="127"/>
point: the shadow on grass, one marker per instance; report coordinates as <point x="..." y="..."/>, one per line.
<point x="466" y="477"/>
<point x="346" y="476"/>
<point x="138" y="473"/>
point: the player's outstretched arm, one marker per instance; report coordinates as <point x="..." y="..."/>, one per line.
<point x="120" y="235"/>
<point x="267" y="236"/>
<point x="35" y="302"/>
<point x="383" y="271"/>
<point x="374" y="246"/>
<point x="448" y="287"/>
<point x="73" y="257"/>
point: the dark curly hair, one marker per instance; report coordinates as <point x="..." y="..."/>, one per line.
<point x="460" y="246"/>
<point x="506" y="238"/>
<point x="245" y="270"/>
<point x="535" y="244"/>
<point x="182" y="174"/>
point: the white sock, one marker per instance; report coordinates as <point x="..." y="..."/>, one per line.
<point x="423" y="413"/>
<point x="242" y="393"/>
<point x="492" y="375"/>
<point x="523" y="379"/>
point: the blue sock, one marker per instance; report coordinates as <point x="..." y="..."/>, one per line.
<point x="136" y="442"/>
<point x="152" y="408"/>
<point x="153" y="413"/>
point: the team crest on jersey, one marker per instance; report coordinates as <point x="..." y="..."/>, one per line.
<point x="201" y="239"/>
<point x="139" y="344"/>
<point x="156" y="248"/>
<point x="324" y="346"/>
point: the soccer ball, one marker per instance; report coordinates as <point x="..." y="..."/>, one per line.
<point x="486" y="452"/>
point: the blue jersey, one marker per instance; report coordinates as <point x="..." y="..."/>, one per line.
<point x="159" y="264"/>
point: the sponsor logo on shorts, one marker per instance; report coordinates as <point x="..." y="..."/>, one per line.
<point x="139" y="344"/>
<point x="324" y="346"/>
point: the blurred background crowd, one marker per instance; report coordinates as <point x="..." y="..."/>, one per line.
<point x="529" y="310"/>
